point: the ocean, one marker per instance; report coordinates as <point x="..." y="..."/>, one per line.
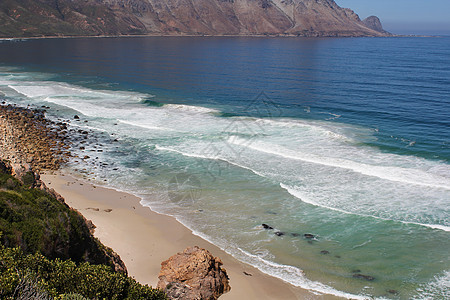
<point x="341" y="145"/>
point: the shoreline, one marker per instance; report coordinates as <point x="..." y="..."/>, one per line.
<point x="205" y="36"/>
<point x="123" y="224"/>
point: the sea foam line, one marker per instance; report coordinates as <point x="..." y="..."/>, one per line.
<point x="295" y="193"/>
<point x="369" y="170"/>
<point x="144" y="126"/>
<point x="298" y="195"/>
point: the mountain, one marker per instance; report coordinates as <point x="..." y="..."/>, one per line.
<point x="22" y="18"/>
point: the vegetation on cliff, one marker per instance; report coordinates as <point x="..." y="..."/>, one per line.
<point x="47" y="249"/>
<point x="36" y="221"/>
<point x="34" y="276"/>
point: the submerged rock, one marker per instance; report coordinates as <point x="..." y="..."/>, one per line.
<point x="365" y="277"/>
<point x="393" y="292"/>
<point x="193" y="274"/>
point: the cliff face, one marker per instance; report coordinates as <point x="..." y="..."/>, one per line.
<point x="180" y="17"/>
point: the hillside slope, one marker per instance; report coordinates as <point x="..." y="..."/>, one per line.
<point x="22" y="18"/>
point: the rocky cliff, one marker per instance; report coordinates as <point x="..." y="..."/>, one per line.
<point x="374" y="23"/>
<point x="180" y="17"/>
<point x="193" y="274"/>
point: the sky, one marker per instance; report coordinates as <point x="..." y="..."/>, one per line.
<point x="405" y="16"/>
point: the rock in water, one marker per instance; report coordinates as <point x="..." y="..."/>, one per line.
<point x="265" y="226"/>
<point x="193" y="274"/>
<point x="365" y="277"/>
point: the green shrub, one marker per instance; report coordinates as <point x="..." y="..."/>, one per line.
<point x="37" y="222"/>
<point x="64" y="279"/>
<point x="72" y="296"/>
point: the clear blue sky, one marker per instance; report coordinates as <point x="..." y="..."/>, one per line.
<point x="405" y="16"/>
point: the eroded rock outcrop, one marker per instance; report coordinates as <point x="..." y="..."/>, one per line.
<point x="193" y="274"/>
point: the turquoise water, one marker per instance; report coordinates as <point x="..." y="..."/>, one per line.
<point x="344" y="139"/>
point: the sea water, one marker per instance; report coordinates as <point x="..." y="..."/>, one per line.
<point x="343" y="139"/>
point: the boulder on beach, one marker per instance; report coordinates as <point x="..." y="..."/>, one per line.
<point x="193" y="274"/>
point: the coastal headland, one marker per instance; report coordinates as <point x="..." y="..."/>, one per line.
<point x="306" y="18"/>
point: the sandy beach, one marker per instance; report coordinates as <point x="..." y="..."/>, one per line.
<point x="144" y="239"/>
<point x="141" y="237"/>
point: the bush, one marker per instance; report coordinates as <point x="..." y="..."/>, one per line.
<point x="22" y="274"/>
<point x="37" y="222"/>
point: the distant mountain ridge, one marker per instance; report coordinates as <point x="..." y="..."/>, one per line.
<point x="21" y="18"/>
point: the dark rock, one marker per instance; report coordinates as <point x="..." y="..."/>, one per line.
<point x="362" y="276"/>
<point x="265" y="226"/>
<point x="5" y="167"/>
<point x="325" y="252"/>
<point x="393" y="292"/>
<point x="76" y="117"/>
<point x="90" y="226"/>
<point x="309" y="236"/>
<point x="279" y="233"/>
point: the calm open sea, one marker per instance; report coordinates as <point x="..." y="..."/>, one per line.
<point x="346" y="140"/>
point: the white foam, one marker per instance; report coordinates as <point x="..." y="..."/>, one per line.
<point x="191" y="108"/>
<point x="39" y="90"/>
<point x="404" y="175"/>
<point x="211" y="157"/>
<point x="317" y="127"/>
<point x="137" y="124"/>
<point x="298" y="194"/>
<point x="438" y="288"/>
